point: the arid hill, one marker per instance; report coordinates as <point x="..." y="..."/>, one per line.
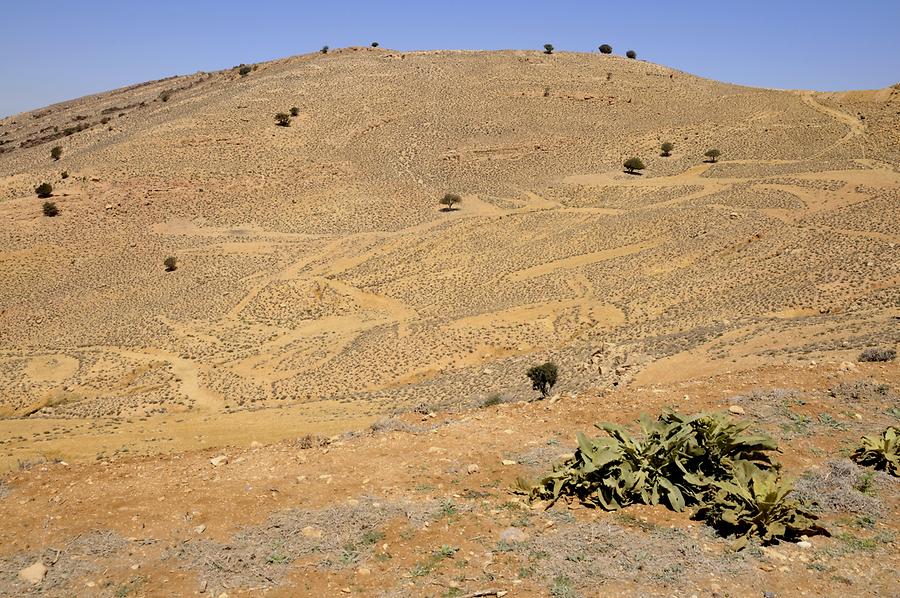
<point x="319" y="286"/>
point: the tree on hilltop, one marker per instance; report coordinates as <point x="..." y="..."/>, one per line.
<point x="449" y="200"/>
<point x="631" y="54"/>
<point x="605" y="49"/>
<point x="713" y="155"/>
<point x="548" y="48"/>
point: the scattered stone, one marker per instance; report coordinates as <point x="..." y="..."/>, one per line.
<point x="507" y="462"/>
<point x="472" y="468"/>
<point x="513" y="534"/>
<point x="804" y="544"/>
<point x="737" y="409"/>
<point x="363" y="571"/>
<point x="200" y="529"/>
<point x="256" y="445"/>
<point x="220" y="460"/>
<point x="33" y="574"/>
<point x="311" y="532"/>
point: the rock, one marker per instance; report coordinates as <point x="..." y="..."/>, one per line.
<point x="220" y="460"/>
<point x="847" y="366"/>
<point x="311" y="532"/>
<point x="364" y="571"/>
<point x="507" y="462"/>
<point x="736" y="409"/>
<point x="109" y="206"/>
<point x="200" y="529"/>
<point x="472" y="468"/>
<point x="804" y="544"/>
<point x="33" y="574"/>
<point x="513" y="534"/>
<point x="256" y="445"/>
<point x="768" y="594"/>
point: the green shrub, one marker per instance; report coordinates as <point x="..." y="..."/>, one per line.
<point x="44" y="190"/>
<point x="667" y="148"/>
<point x="543" y="377"/>
<point x="449" y="200"/>
<point x="605" y="49"/>
<point x="548" y="48"/>
<point x="49" y="208"/>
<point x="56" y="152"/>
<point x="295" y="111"/>
<point x="283" y="119"/>
<point x="713" y="155"/>
<point x="244" y="70"/>
<point x="631" y="54"/>
<point x="632" y="164"/>
<point x="881" y="452"/>
<point x="170" y="264"/>
<point x="374" y="44"/>
<point x="324" y="50"/>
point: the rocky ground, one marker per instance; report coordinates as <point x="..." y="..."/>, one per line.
<point x="320" y="289"/>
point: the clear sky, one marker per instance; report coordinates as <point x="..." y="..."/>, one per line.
<point x="54" y="50"/>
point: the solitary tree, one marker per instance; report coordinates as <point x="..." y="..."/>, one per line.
<point x="56" y="152"/>
<point x="44" y="190"/>
<point x="374" y="44"/>
<point x="713" y="155"/>
<point x="170" y="264"/>
<point x="324" y="50"/>
<point x="283" y="119"/>
<point x="632" y="164"/>
<point x="450" y="199"/>
<point x="50" y="209"/>
<point x="631" y="54"/>
<point x="605" y="49"/>
<point x="543" y="377"/>
<point x="295" y="111"/>
<point x="548" y="48"/>
<point x="667" y="148"/>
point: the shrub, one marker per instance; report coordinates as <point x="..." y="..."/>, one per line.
<point x="548" y="48"/>
<point x="64" y="174"/>
<point x="375" y="44"/>
<point x="632" y="164"/>
<point x="631" y="54"/>
<point x="881" y="452"/>
<point x="667" y="148"/>
<point x="283" y="119"/>
<point x="170" y="264"/>
<point x="295" y="111"/>
<point x="546" y="92"/>
<point x="44" y="190"/>
<point x="50" y="209"/>
<point x="164" y="96"/>
<point x="543" y="377"/>
<point x="713" y="155"/>
<point x="605" y="49"/>
<point x="877" y="354"/>
<point x="449" y="200"/>
<point x="56" y="152"/>
<point x="324" y="50"/>
<point x="494" y="399"/>
<point x="244" y="70"/>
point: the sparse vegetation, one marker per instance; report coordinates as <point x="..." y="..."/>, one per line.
<point x="449" y="200"/>
<point x="543" y="377"/>
<point x="170" y="264"/>
<point x="548" y="48"/>
<point x="877" y="354"/>
<point x="44" y="190"/>
<point x="56" y="152"/>
<point x="324" y="50"/>
<point x="64" y="174"/>
<point x="881" y="452"/>
<point x="283" y="119"/>
<point x="375" y="44"/>
<point x="295" y="111"/>
<point x="713" y="155"/>
<point x="631" y="54"/>
<point x="667" y="147"/>
<point x="49" y="208"/>
<point x="605" y="49"/>
<point x="633" y="164"/>
<point x="244" y="70"/>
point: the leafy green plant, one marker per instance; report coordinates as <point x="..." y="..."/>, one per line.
<point x="605" y="49"/>
<point x="632" y="164"/>
<point x="757" y="503"/>
<point x="667" y="147"/>
<point x="713" y="155"/>
<point x="56" y="152"/>
<point x="631" y="54"/>
<point x="548" y="48"/>
<point x="881" y="452"/>
<point x="170" y="264"/>
<point x="543" y="377"/>
<point x="49" y="208"/>
<point x="324" y="50"/>
<point x="44" y="190"/>
<point x="244" y="70"/>
<point x="449" y="200"/>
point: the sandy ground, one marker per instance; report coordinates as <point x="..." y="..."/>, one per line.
<point x="321" y="289"/>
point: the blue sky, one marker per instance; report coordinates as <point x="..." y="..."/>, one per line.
<point x="56" y="49"/>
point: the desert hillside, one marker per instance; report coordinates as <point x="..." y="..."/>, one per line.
<point x="320" y="287"/>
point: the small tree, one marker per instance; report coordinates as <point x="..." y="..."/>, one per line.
<point x="295" y="111"/>
<point x="324" y="50"/>
<point x="543" y="377"/>
<point x="548" y="48"/>
<point x="605" y="49"/>
<point x="449" y="200"/>
<point x="56" y="152"/>
<point x="374" y="44"/>
<point x="631" y="54"/>
<point x="245" y="70"/>
<point x="170" y="264"/>
<point x="713" y="155"/>
<point x="667" y="148"/>
<point x="50" y="209"/>
<point x="283" y="119"/>
<point x="632" y="164"/>
<point x="44" y="190"/>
